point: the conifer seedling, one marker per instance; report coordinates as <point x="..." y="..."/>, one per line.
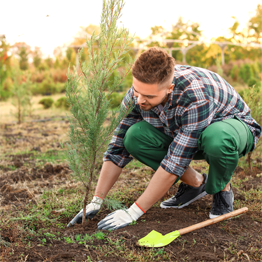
<point x="88" y="93"/>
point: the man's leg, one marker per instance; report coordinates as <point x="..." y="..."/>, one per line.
<point x="150" y="146"/>
<point x="222" y="143"/>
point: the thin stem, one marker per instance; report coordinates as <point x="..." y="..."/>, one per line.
<point x="92" y="54"/>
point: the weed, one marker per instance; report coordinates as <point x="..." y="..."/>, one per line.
<point x="69" y="240"/>
<point x="44" y="241"/>
<point x="133" y="223"/>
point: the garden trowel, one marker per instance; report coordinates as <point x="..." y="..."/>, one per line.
<point x="156" y="239"/>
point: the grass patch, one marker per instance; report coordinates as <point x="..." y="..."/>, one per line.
<point x="51" y="156"/>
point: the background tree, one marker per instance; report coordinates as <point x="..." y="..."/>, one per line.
<point x="156" y="32"/>
<point x="89" y="94"/>
<point x="5" y="66"/>
<point x="186" y="31"/>
<point x="49" y="62"/>
<point x="23" y="63"/>
<point x="21" y="96"/>
<point x="255" y="25"/>
<point x="37" y="57"/>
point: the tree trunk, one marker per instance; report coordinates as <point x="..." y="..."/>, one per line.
<point x="84" y="207"/>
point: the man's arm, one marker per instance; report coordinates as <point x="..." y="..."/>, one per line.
<point x="158" y="186"/>
<point x="107" y="178"/>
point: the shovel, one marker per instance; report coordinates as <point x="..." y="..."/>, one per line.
<point x="156" y="239"/>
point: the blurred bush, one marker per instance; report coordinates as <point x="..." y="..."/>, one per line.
<point x="62" y="103"/>
<point x="5" y="92"/>
<point x="47" y="87"/>
<point x="245" y="73"/>
<point x="59" y="75"/>
<point x="234" y="73"/>
<point x="47" y="102"/>
<point x="253" y="98"/>
<point x="253" y="82"/>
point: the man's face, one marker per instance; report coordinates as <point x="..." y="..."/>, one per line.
<point x="151" y="95"/>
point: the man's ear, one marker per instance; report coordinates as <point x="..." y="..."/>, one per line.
<point x="170" y="89"/>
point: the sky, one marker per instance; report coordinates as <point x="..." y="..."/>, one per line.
<point x="51" y="23"/>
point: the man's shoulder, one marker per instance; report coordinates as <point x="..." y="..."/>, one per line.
<point x="184" y="75"/>
<point x="190" y="71"/>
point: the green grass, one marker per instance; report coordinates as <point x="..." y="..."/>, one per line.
<point x="50" y="156"/>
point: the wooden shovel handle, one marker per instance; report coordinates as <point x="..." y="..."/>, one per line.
<point x="212" y="221"/>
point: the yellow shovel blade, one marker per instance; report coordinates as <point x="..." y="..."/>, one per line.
<point x="155" y="239"/>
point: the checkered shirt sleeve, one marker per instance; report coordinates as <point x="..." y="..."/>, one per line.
<point x="195" y="117"/>
<point x="116" y="151"/>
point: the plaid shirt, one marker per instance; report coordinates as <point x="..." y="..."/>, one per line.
<point x="199" y="98"/>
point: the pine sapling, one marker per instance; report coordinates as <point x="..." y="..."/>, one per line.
<point x="21" y="95"/>
<point x="88" y="93"/>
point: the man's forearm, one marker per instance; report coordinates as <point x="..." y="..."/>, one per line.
<point x="158" y="186"/>
<point x="107" y="178"/>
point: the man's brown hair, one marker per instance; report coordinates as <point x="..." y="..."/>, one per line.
<point x="154" y="66"/>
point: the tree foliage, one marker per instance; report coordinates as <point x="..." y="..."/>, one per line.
<point x="255" y="25"/>
<point x="89" y="92"/>
<point x="5" y="67"/>
<point x="21" y="95"/>
<point x="23" y="63"/>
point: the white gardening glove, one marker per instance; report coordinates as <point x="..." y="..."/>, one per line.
<point x="91" y="211"/>
<point x="121" y="218"/>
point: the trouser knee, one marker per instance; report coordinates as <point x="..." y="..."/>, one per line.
<point x="132" y="137"/>
<point x="217" y="143"/>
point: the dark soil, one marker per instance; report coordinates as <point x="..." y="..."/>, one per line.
<point x="234" y="238"/>
<point x="237" y="239"/>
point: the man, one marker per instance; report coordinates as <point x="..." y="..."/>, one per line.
<point x="180" y="113"/>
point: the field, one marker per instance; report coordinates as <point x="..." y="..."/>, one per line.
<point x="38" y="198"/>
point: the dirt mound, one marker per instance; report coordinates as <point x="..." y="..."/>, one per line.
<point x="13" y="184"/>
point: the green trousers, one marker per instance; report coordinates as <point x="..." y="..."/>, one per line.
<point x="221" y="144"/>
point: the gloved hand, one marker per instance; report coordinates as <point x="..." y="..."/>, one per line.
<point x="91" y="211"/>
<point x="121" y="218"/>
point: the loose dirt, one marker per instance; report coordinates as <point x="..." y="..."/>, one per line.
<point x="237" y="239"/>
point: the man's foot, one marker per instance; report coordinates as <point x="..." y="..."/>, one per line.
<point x="222" y="203"/>
<point x="185" y="195"/>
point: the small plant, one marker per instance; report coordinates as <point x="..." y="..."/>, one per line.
<point x="46" y="102"/>
<point x="44" y="241"/>
<point x="78" y="238"/>
<point x="69" y="240"/>
<point x="99" y="235"/>
<point x="133" y="223"/>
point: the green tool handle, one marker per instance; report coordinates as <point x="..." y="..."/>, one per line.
<point x="212" y="221"/>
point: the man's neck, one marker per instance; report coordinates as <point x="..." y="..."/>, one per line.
<point x="164" y="101"/>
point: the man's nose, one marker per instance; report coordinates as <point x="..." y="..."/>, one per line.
<point x="140" y="99"/>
